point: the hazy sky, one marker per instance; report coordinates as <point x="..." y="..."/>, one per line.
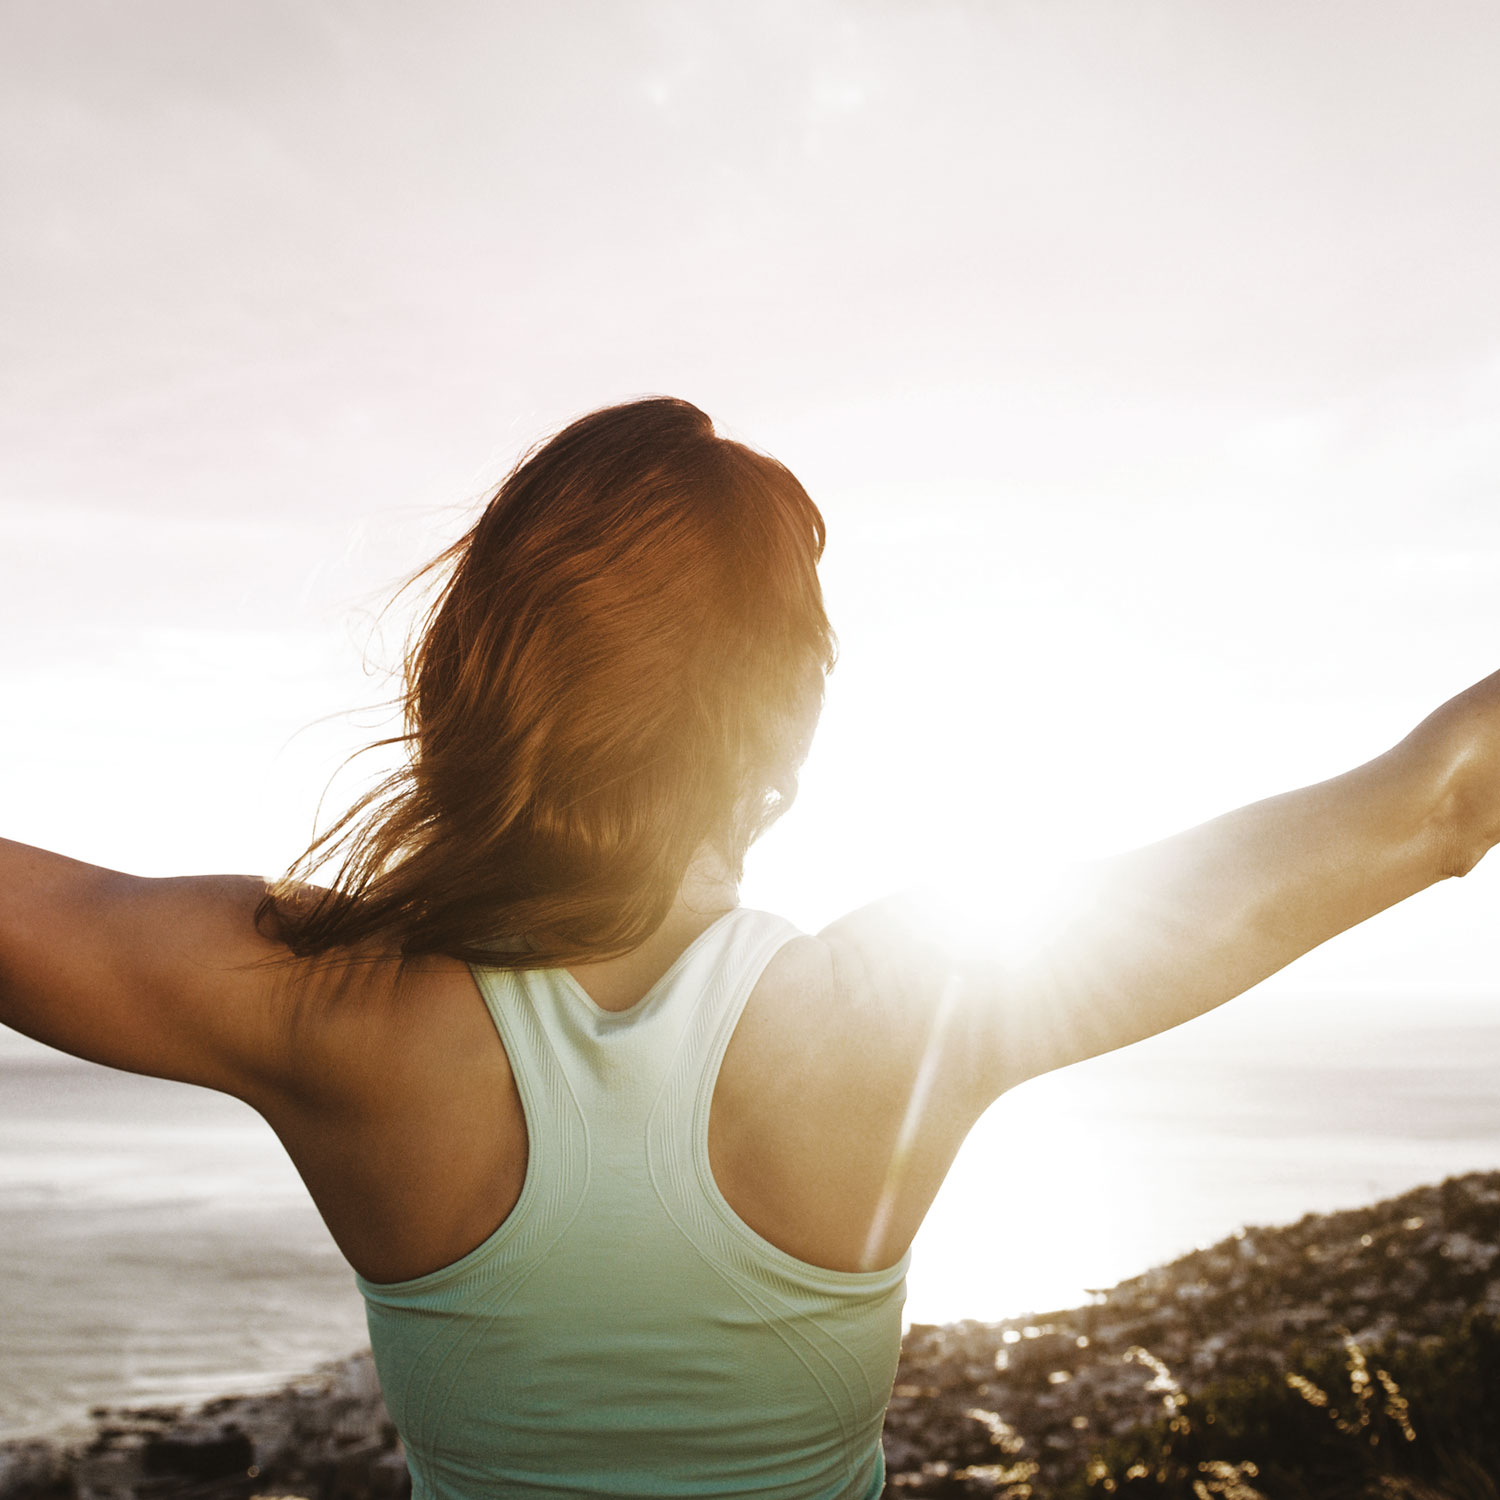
<point x="1145" y="359"/>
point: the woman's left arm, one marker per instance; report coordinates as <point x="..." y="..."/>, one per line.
<point x="1158" y="936"/>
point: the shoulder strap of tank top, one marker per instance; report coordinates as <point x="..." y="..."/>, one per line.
<point x="713" y="990"/>
<point x="764" y="1276"/>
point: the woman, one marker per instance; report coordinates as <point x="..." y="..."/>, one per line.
<point x="627" y="1173"/>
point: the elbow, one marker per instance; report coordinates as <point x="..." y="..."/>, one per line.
<point x="1466" y="814"/>
<point x="1454" y="757"/>
<point x="1462" y="841"/>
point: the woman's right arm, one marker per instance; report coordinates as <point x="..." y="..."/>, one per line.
<point x="1157" y="936"/>
<point x="163" y="977"/>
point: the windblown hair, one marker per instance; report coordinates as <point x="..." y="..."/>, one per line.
<point x="625" y="663"/>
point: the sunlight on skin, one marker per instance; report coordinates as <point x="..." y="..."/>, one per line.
<point x="999" y="917"/>
<point x="1059" y="1188"/>
<point x="1052" y="1194"/>
<point x="911" y="1122"/>
<point x="983" y="921"/>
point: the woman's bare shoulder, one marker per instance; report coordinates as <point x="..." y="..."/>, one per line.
<point x="850" y="1004"/>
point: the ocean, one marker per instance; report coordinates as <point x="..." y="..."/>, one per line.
<point x="158" y="1246"/>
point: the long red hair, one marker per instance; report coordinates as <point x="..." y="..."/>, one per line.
<point x="625" y="663"/>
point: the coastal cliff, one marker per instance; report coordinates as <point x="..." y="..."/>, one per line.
<point x="1145" y="1388"/>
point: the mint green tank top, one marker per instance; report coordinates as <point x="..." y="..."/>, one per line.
<point x="624" y="1332"/>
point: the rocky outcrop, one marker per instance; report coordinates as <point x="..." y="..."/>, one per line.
<point x="1001" y="1409"/>
<point x="989" y="1409"/>
<point x="325" y="1437"/>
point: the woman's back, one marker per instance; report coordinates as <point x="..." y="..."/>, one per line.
<point x="624" y="1331"/>
<point x="411" y="1132"/>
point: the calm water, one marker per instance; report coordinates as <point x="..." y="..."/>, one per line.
<point x="158" y="1245"/>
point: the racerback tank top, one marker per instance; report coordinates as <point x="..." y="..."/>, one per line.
<point x="624" y="1332"/>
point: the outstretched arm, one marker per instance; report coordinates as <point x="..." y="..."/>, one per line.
<point x="1155" y="937"/>
<point x="155" y="976"/>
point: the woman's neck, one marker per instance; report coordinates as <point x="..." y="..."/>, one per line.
<point x="707" y="892"/>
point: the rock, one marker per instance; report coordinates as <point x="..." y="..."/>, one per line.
<point x="324" y="1437"/>
<point x="33" y="1468"/>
